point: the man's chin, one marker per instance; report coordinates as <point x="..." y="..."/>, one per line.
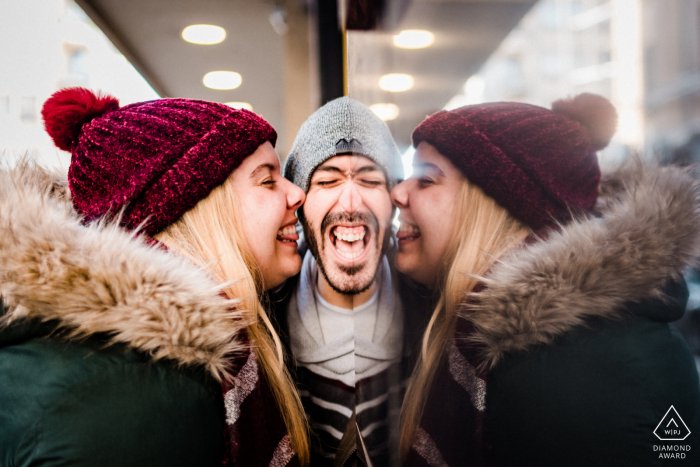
<point x="345" y="288"/>
<point x="348" y="280"/>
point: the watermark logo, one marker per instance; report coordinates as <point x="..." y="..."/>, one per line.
<point x="672" y="427"/>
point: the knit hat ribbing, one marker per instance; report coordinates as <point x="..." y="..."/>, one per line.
<point x="331" y="130"/>
<point x="154" y="160"/>
<point x="539" y="164"/>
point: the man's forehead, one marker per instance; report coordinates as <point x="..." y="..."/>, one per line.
<point x="348" y="162"/>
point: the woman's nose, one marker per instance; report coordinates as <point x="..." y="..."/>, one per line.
<point x="295" y="196"/>
<point x="399" y="195"/>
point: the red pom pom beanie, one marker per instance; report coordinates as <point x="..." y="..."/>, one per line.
<point x="539" y="164"/>
<point x="151" y="161"/>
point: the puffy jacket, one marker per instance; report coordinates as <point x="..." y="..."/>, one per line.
<point x="566" y="355"/>
<point x="110" y="349"/>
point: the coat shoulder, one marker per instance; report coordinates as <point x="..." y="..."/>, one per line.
<point x="647" y="232"/>
<point x="99" y="279"/>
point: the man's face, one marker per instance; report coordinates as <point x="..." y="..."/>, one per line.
<point x="347" y="218"/>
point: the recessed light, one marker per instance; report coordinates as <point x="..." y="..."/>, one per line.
<point x="385" y="111"/>
<point x="206" y="34"/>
<point x="222" y="80"/>
<point x="396" y="82"/>
<point x="414" y="39"/>
<point x="240" y="105"/>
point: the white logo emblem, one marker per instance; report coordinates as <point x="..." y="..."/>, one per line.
<point x="672" y="427"/>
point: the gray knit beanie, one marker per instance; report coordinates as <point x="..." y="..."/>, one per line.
<point x="342" y="127"/>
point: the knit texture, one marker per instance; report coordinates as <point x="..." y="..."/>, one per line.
<point x="538" y="164"/>
<point x="255" y="433"/>
<point x="330" y="131"/>
<point x="150" y="161"/>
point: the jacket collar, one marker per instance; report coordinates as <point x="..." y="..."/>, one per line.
<point x="647" y="231"/>
<point x="100" y="279"/>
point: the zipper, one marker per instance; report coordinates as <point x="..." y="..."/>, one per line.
<point x="348" y="455"/>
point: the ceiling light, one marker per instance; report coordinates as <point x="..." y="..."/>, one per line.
<point x="396" y="82"/>
<point x="385" y="111"/>
<point x="222" y="80"/>
<point x="240" y="105"/>
<point x="204" y="34"/>
<point x="414" y="39"/>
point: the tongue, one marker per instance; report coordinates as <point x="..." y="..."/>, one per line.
<point x="349" y="247"/>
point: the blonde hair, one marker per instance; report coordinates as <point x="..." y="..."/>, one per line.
<point x="483" y="231"/>
<point x="211" y="235"/>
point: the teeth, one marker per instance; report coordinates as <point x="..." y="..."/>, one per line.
<point x="409" y="228"/>
<point x="288" y="230"/>
<point x="348" y="255"/>
<point x="349" y="237"/>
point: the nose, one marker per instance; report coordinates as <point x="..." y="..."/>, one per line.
<point x="350" y="199"/>
<point x="295" y="196"/>
<point x="399" y="195"/>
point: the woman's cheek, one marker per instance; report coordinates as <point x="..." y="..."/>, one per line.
<point x="264" y="209"/>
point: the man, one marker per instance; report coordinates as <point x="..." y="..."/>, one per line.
<point x="344" y="318"/>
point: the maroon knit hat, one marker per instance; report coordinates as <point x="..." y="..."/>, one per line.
<point x="154" y="160"/>
<point x="539" y="164"/>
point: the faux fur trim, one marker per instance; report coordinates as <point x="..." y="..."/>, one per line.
<point x="101" y="279"/>
<point x="647" y="232"/>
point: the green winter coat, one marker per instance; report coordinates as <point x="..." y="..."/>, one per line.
<point x="575" y="331"/>
<point x="566" y="355"/>
<point x="110" y="350"/>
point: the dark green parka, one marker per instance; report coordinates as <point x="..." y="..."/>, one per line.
<point x="566" y="356"/>
<point x="110" y="350"/>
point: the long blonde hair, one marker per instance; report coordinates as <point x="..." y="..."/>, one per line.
<point x="211" y="235"/>
<point x="483" y="231"/>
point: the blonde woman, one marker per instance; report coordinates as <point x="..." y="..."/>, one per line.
<point x="550" y="344"/>
<point x="150" y="348"/>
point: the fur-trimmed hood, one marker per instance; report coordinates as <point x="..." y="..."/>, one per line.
<point x="647" y="231"/>
<point x="100" y="279"/>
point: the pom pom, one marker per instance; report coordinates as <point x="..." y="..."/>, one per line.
<point x="594" y="112"/>
<point x="69" y="109"/>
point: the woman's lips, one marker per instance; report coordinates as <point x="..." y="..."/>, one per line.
<point x="288" y="234"/>
<point x="408" y="232"/>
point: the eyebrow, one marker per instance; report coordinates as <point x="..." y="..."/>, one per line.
<point x="254" y="173"/>
<point x="331" y="168"/>
<point x="425" y="166"/>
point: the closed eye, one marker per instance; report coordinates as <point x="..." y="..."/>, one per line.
<point x="326" y="182"/>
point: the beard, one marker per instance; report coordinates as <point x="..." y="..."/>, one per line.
<point x="344" y="279"/>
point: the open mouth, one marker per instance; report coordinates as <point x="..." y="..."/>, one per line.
<point x="408" y="232"/>
<point x="288" y="234"/>
<point x="350" y="242"/>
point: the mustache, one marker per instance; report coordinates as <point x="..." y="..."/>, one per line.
<point x="333" y="218"/>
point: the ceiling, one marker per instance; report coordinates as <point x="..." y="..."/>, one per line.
<point x="466" y="33"/>
<point x="148" y="33"/>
